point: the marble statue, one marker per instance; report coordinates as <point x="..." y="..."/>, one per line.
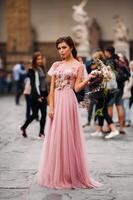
<point x="121" y="37"/>
<point x="79" y="14"/>
<point x="121" y="32"/>
<point x="80" y="31"/>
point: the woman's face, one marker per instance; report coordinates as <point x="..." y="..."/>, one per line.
<point x="64" y="50"/>
<point x="107" y="54"/>
<point x="39" y="61"/>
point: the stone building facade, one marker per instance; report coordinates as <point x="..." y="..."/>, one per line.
<point x="30" y="25"/>
<point x="19" y="44"/>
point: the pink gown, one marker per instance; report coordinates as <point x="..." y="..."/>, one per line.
<point x="63" y="162"/>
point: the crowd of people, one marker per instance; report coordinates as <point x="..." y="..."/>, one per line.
<point x="119" y="93"/>
<point x="6" y="82"/>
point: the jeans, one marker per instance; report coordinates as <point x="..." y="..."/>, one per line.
<point x="126" y="109"/>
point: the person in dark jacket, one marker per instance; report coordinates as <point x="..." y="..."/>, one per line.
<point x="120" y="66"/>
<point x="38" y="94"/>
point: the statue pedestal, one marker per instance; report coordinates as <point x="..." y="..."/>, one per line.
<point x="83" y="51"/>
<point x="123" y="48"/>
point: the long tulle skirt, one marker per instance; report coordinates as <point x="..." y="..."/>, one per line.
<point x="63" y="162"/>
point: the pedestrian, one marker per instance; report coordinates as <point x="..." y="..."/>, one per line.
<point x="63" y="162"/>
<point x="120" y="66"/>
<point x="2" y="81"/>
<point x="19" y="73"/>
<point x="90" y="66"/>
<point x="38" y="94"/>
<point x="102" y="99"/>
<point x="127" y="95"/>
<point x="131" y="98"/>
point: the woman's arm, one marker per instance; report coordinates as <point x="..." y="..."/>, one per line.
<point x="80" y="83"/>
<point x="128" y="84"/>
<point x="31" y="75"/>
<point x="51" y="97"/>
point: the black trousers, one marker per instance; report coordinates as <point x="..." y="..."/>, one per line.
<point x="28" y="106"/>
<point x="90" y="110"/>
<point x="36" y="106"/>
<point x="102" y="106"/>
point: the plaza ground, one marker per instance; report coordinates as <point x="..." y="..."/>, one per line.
<point x="109" y="161"/>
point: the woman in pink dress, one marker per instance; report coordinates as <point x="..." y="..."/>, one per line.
<point x="63" y="162"/>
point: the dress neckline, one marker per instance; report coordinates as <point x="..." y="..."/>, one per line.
<point x="62" y="66"/>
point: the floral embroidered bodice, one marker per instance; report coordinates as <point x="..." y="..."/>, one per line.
<point x="65" y="77"/>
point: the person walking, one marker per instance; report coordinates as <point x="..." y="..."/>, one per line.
<point x="38" y="94"/>
<point x="19" y="74"/>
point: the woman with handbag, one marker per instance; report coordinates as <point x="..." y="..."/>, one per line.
<point x="38" y="94"/>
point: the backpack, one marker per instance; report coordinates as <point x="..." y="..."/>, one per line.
<point x="122" y="72"/>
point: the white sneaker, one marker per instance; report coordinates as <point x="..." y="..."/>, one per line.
<point x="39" y="137"/>
<point x="112" y="134"/>
<point x="97" y="133"/>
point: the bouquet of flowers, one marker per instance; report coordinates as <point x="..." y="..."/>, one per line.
<point x="103" y="74"/>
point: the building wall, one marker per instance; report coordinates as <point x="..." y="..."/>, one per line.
<point x="3" y="35"/>
<point x="53" y="18"/>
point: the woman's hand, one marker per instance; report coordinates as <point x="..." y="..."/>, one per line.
<point x="91" y="76"/>
<point x="40" y="99"/>
<point x="51" y="112"/>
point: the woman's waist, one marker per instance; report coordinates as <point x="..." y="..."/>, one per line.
<point x="64" y="85"/>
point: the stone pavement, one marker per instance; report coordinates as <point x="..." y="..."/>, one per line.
<point x="110" y="162"/>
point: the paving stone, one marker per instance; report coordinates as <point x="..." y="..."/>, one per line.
<point x="109" y="161"/>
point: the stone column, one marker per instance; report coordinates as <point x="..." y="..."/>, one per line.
<point x="18" y="29"/>
<point x="18" y="26"/>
